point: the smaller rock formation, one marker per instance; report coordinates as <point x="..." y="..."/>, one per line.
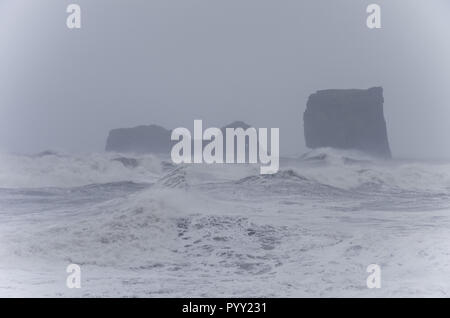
<point x="153" y="139"/>
<point x="141" y="139"/>
<point x="347" y="119"/>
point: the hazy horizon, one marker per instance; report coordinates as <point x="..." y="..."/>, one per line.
<point x="257" y="61"/>
<point x="224" y="213"/>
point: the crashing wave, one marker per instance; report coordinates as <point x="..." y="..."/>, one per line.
<point x="347" y="170"/>
<point x="174" y="179"/>
<point x="55" y="170"/>
<point x="127" y="162"/>
<point x="46" y="153"/>
<point x="282" y="175"/>
<point x="336" y="156"/>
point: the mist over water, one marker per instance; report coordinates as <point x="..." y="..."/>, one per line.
<point x="139" y="225"/>
<point x="157" y="229"/>
<point x="168" y="63"/>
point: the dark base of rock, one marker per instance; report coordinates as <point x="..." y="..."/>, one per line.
<point x="347" y="119"/>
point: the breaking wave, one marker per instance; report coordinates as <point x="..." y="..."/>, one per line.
<point x="346" y="170"/>
<point x="51" y="169"/>
<point x="142" y="214"/>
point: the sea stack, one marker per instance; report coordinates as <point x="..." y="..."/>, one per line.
<point x="140" y="139"/>
<point x="155" y="139"/>
<point x="347" y="119"/>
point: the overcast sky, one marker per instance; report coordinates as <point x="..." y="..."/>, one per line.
<point x="169" y="62"/>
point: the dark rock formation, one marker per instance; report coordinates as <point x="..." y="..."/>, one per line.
<point x="46" y="153"/>
<point x="347" y="119"/>
<point x="127" y="162"/>
<point x="236" y="124"/>
<point x="141" y="139"/>
<point x="155" y="139"/>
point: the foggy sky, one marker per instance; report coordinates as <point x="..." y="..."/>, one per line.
<point x="169" y="62"/>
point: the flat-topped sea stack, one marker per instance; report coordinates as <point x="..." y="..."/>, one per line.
<point x="155" y="139"/>
<point x="140" y="139"/>
<point x="347" y="119"/>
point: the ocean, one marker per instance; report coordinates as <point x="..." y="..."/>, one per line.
<point x="140" y="226"/>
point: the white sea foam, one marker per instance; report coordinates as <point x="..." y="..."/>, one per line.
<point x="63" y="170"/>
<point x="223" y="230"/>
<point x="341" y="169"/>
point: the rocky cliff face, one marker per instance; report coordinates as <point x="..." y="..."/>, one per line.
<point x="141" y="139"/>
<point x="347" y="119"/>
